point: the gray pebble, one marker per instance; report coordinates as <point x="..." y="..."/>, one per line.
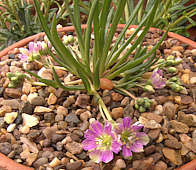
<point x="40" y="162"/>
<point x="5" y="148"/>
<point x="72" y="118"/>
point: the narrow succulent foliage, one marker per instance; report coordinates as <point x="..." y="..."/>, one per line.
<point x="157" y="79"/>
<point x="18" y="22"/>
<point x="101" y="142"/>
<point x="176" y="12"/>
<point x="106" y="59"/>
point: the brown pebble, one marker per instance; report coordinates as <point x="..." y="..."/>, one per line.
<point x="116" y="97"/>
<point x="117" y="112"/>
<point x="173" y="144"/>
<point x="177" y="48"/>
<point x="52" y="99"/>
<point x="179" y="126"/>
<point x="154" y="133"/>
<point x="149" y="149"/>
<point x="106" y="84"/>
<point x="186" y="100"/>
<point x="160" y="166"/>
<point x="13" y="92"/>
<point x="152" y="116"/>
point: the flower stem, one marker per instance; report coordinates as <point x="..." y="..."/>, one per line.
<point x="128" y="93"/>
<point x="102" y="107"/>
<point x="102" y="113"/>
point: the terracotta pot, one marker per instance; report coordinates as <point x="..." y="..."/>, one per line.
<point x="8" y="164"/>
<point x="21" y="43"/>
<point x="189" y="166"/>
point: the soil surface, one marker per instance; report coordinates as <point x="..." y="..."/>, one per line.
<point x="43" y="127"/>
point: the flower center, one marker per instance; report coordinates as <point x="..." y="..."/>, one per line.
<point x="105" y="142"/>
<point x="128" y="137"/>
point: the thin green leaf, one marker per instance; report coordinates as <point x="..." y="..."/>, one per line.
<point x="112" y="30"/>
<point x="134" y="63"/>
<point x="105" y="15"/>
<point x="61" y="85"/>
<point x="130" y="21"/>
<point x="96" y="36"/>
<point x="139" y="40"/>
<point x="88" y="31"/>
<point x="45" y="81"/>
<point x="96" y="80"/>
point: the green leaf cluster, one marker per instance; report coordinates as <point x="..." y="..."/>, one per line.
<point x="18" y="19"/>
<point x="173" y="12"/>
<point x="16" y="79"/>
<point x="102" y="58"/>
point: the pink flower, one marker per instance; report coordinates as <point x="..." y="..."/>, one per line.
<point x="33" y="50"/>
<point x="132" y="140"/>
<point x="157" y="79"/>
<point x="101" y="142"/>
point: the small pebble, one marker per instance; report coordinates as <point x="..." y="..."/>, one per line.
<point x="52" y="99"/>
<point x="55" y="162"/>
<point x="120" y="163"/>
<point x="85" y="116"/>
<point x="40" y="162"/>
<point x="29" y="120"/>
<point x="10" y="117"/>
<point x="5" y="148"/>
<point x="74" y="147"/>
<point x="117" y="112"/>
<point x="62" y="110"/>
<point x="11" y="127"/>
<point x="117" y="97"/>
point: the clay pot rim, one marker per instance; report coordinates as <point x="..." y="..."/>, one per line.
<point x="192" y="44"/>
<point x="10" y="164"/>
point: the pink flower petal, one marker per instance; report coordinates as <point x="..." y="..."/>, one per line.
<point x="97" y="127"/>
<point x="89" y="144"/>
<point x="126" y="152"/>
<point x="137" y="126"/>
<point x="143" y="138"/>
<point x="116" y="147"/>
<point x="89" y="134"/>
<point x="31" y="46"/>
<point x="95" y="156"/>
<point x="137" y="147"/>
<point x="126" y="122"/>
<point x="108" y="128"/>
<point x="23" y="57"/>
<point x="107" y="156"/>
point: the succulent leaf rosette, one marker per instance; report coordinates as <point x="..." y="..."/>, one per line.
<point x="102" y="142"/>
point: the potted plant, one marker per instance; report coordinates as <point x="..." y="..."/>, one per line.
<point x="103" y="68"/>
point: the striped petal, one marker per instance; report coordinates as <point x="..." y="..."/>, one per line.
<point x="107" y="156"/>
<point x="89" y="144"/>
<point x="96" y="156"/>
<point x="126" y="152"/>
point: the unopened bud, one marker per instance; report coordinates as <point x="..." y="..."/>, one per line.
<point x="172" y="70"/>
<point x="149" y="88"/>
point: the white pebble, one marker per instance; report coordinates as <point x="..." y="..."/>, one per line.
<point x="11" y="127"/>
